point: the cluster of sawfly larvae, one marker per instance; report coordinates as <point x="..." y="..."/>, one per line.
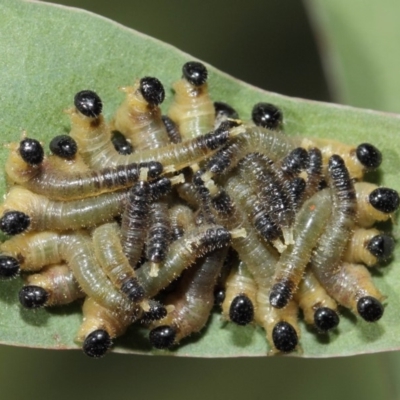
<point x="157" y="219"/>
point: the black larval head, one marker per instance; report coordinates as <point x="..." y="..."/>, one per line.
<point x="195" y="73"/>
<point x="88" y="103"/>
<point x="14" y="222"/>
<point x="152" y="90"/>
<point x="267" y="115"/>
<point x="9" y="267"/>
<point x="162" y="337"/>
<point x="326" y="319"/>
<point x="369" y="156"/>
<point x="381" y="246"/>
<point x="97" y="343"/>
<point x="33" y="296"/>
<point x="370" y="308"/>
<point x="63" y="146"/>
<point x="31" y="151"/>
<point x="241" y="311"/>
<point x="385" y="200"/>
<point x="284" y="337"/>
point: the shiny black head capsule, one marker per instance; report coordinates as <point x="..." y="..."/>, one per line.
<point x="284" y="337"/>
<point x="385" y="200"/>
<point x="9" y="267"/>
<point x="195" y="73"/>
<point x="152" y="90"/>
<point x="14" y="222"/>
<point x="381" y="246"/>
<point x="31" y="151"/>
<point x="63" y="146"/>
<point x="224" y="110"/>
<point x="326" y="319"/>
<point x="370" y="309"/>
<point x="369" y="156"/>
<point x="88" y="103"/>
<point x="267" y="115"/>
<point x="97" y="343"/>
<point x="33" y="296"/>
<point x="241" y="311"/>
<point x="162" y="337"/>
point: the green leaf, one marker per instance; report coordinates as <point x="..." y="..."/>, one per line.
<point x="50" y="52"/>
<point x="359" y="44"/>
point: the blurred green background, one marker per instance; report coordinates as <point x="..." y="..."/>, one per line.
<point x="268" y="43"/>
